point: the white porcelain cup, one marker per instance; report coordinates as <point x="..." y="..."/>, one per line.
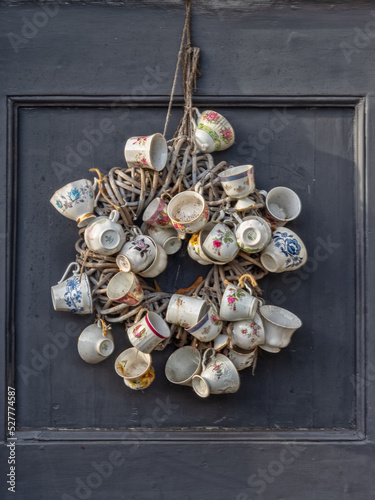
<point x="104" y="235"/>
<point x="95" y="344"/>
<point x="282" y="205"/>
<point x="219" y="375"/>
<point x="238" y="183"/>
<point x="240" y="357"/>
<point x="135" y="368"/>
<point x="147" y="152"/>
<point x="186" y="311"/>
<point x="279" y="325"/>
<point x="253" y="234"/>
<point x="76" y="201"/>
<point x="167" y="237"/>
<point x="285" y="252"/>
<point x="196" y="252"/>
<point x="148" y="332"/>
<point x="208" y="327"/>
<point x="125" y="289"/>
<point x="182" y="365"/>
<point x="74" y="294"/>
<point x="248" y="333"/>
<point x="219" y="242"/>
<point x="213" y="132"/>
<point x="156" y="214"/>
<point x="238" y="304"/>
<point x="189" y="212"/>
<point x="158" y="265"/>
<point x="137" y="254"/>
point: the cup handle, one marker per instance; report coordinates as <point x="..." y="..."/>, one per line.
<point x="140" y="312"/>
<point x="166" y="194"/>
<point x="218" y="216"/>
<point x="198" y="188"/>
<point x="208" y="355"/>
<point x="114" y="216"/>
<point x="195" y="121"/>
<point x="135" y="231"/>
<point x="263" y="193"/>
<point x="75" y="272"/>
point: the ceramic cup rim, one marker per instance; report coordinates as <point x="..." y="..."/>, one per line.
<point x="152" y="327"/>
<point x="184" y="193"/>
<point x="145" y="356"/>
<point x="293" y="194"/>
<point x="116" y="278"/>
<point x="234" y="172"/>
<point x="293" y="317"/>
<point x="174" y="354"/>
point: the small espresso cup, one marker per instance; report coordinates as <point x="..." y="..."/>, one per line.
<point x="135" y="368"/>
<point x="76" y="201"/>
<point x="125" y="289"/>
<point x="238" y="304"/>
<point x="94" y="344"/>
<point x="238" y="183"/>
<point x="167" y="237"/>
<point x="137" y="254"/>
<point x="186" y="311"/>
<point x="282" y="206"/>
<point x="279" y="325"/>
<point x="182" y="365"/>
<point x="285" y="252"/>
<point x="156" y="214"/>
<point x="253" y="234"/>
<point x="219" y="242"/>
<point x="104" y="235"/>
<point x="148" y="332"/>
<point x="74" y="294"/>
<point x="189" y="212"/>
<point x="248" y="333"/>
<point x="147" y="152"/>
<point x="213" y="132"/>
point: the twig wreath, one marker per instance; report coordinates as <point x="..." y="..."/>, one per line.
<point x="217" y="324"/>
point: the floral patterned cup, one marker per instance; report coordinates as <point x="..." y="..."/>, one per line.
<point x="182" y="365"/>
<point x="74" y="294"/>
<point x="207" y="328"/>
<point x="282" y="206"/>
<point x="279" y="325"/>
<point x="104" y="235"/>
<point x="156" y="214"/>
<point x="125" y="288"/>
<point x="219" y="375"/>
<point x="237" y="304"/>
<point x="147" y="152"/>
<point x="189" y="212"/>
<point x="219" y="243"/>
<point x="213" y="132"/>
<point x="248" y="334"/>
<point x="137" y="254"/>
<point x="148" y="332"/>
<point x="135" y="368"/>
<point x="186" y="311"/>
<point x="285" y="252"/>
<point x="76" y="201"/>
<point x="238" y="183"/>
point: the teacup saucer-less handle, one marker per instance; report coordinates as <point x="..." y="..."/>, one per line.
<point x="114" y="216"/>
<point x="75" y="272"/>
<point x="140" y="312"/>
<point x="208" y="356"/>
<point x="194" y="122"/>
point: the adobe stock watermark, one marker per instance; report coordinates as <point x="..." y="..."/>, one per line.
<point x="322" y="251"/>
<point x="92" y="138"/>
<point x="85" y="486"/>
<point x="259" y="481"/>
<point x="361" y="39"/>
<point x="31" y="26"/>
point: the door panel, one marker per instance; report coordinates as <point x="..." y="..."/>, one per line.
<point x="296" y="83"/>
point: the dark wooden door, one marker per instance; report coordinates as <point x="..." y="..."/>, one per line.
<point x="296" y="80"/>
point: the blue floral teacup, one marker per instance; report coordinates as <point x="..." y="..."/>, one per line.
<point x="73" y="294"/>
<point x="285" y="252"/>
<point x="76" y="201"/>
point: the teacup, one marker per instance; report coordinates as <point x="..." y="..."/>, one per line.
<point x="219" y="375"/>
<point x="238" y="183"/>
<point x="208" y="327"/>
<point x="285" y="252"/>
<point x="279" y="325"/>
<point x="189" y="212"/>
<point x="74" y="294"/>
<point x="135" y="368"/>
<point x="137" y="254"/>
<point x="237" y="304"/>
<point x="125" y="288"/>
<point x="240" y="357"/>
<point x="213" y="132"/>
<point x="219" y="242"/>
<point x="282" y="205"/>
<point x="156" y="214"/>
<point x="253" y="234"/>
<point x="148" y="332"/>
<point x="104" y="235"/>
<point x="94" y="344"/>
<point x="182" y="365"/>
<point x="167" y="237"/>
<point x="248" y="333"/>
<point x="197" y="253"/>
<point x="186" y="311"/>
<point x="147" y="152"/>
<point x="158" y="265"/>
<point x="76" y="201"/>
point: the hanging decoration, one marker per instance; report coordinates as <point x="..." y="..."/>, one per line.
<point x="218" y="324"/>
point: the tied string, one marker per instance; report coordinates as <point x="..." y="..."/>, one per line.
<point x="105" y="326"/>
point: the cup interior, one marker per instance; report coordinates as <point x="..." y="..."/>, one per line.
<point x="151" y="209"/>
<point x="132" y="363"/>
<point x="200" y="386"/>
<point x="186" y="207"/>
<point x="182" y="364"/>
<point x="158" y="324"/>
<point x="229" y="172"/>
<point x="269" y="262"/>
<point x="120" y="285"/>
<point x="280" y="317"/>
<point x="283" y="203"/>
<point x="158" y="151"/>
